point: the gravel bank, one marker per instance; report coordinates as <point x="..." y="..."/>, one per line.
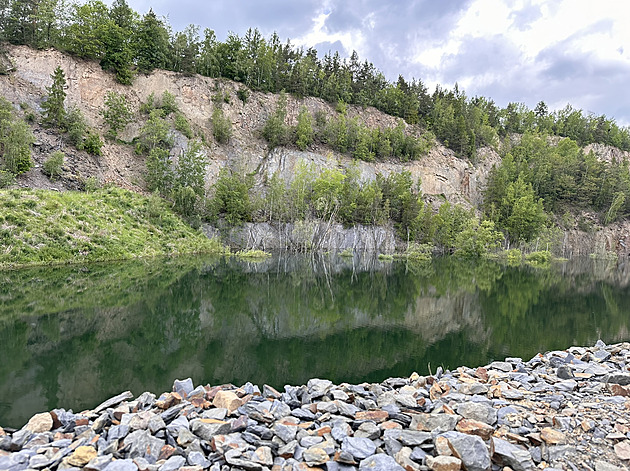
<point x="566" y="410"/>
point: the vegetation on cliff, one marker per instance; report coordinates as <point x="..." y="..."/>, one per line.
<point x="127" y="43"/>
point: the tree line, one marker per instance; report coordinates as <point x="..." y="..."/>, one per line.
<point x="127" y="43"/>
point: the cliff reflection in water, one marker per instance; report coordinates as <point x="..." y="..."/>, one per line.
<point x="74" y="336"/>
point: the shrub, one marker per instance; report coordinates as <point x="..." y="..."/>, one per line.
<point x="91" y="184"/>
<point x="93" y="144"/>
<point x="183" y="126"/>
<point x="77" y="127"/>
<point x="221" y="126"/>
<point x="116" y="114"/>
<point x="6" y="179"/>
<point x="243" y="94"/>
<point x="54" y="164"/>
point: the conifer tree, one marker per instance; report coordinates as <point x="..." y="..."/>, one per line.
<point x="53" y="106"/>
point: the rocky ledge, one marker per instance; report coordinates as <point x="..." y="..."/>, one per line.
<point x="565" y="409"/>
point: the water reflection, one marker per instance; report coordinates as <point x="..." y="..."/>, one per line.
<point x="73" y="336"/>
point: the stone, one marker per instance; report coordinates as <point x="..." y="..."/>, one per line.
<point x="409" y="437"/>
<point x="564" y="372"/>
<point x="470" y="449"/>
<point x="618" y="390"/>
<point x="359" y="448"/>
<point x="227" y="400"/>
<point x="208" y="428"/>
<point x="380" y="462"/>
<point x="40" y="423"/>
<point x="315" y="456"/>
<point x="183" y="387"/>
<point x="82" y="456"/>
<point x="622" y="450"/>
<point x="434" y="422"/>
<point x="99" y="463"/>
<point x="444" y="463"/>
<point x="377" y="416"/>
<point x="471" y="389"/>
<point x="622" y="379"/>
<point x="173" y="463"/>
<point x="552" y="436"/>
<point x="368" y="430"/>
<point x="474" y="427"/>
<point x="144" y="445"/>
<point x="121" y="465"/>
<point x="114" y="401"/>
<point x="519" y="459"/>
<point x="604" y="466"/>
<point x="478" y="411"/>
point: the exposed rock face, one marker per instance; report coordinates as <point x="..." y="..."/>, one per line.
<point x="441" y="173"/>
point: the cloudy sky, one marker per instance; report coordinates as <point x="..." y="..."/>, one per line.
<point x="559" y="51"/>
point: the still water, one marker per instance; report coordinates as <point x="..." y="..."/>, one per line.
<point x="73" y="336"/>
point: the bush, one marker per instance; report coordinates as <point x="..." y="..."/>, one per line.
<point x="54" y="164"/>
<point x="93" y="144"/>
<point x="243" y="94"/>
<point x="183" y="126"/>
<point x="91" y="184"/>
<point x="6" y="179"/>
<point x="76" y="127"/>
<point x="540" y="258"/>
<point x="116" y="114"/>
<point x="221" y="126"/>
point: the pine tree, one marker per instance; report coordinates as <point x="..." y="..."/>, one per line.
<point x="54" y="111"/>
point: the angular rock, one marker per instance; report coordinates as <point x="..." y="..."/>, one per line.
<point x="552" y="436"/>
<point x="82" y="456"/>
<point x="121" y="465"/>
<point x="315" y="456"/>
<point x="40" y="423"/>
<point x="208" y="428"/>
<point x="184" y="387"/>
<point x="471" y="449"/>
<point x="474" y="427"/>
<point x="444" y="463"/>
<point x="478" y="411"/>
<point x="227" y="400"/>
<point x="622" y="450"/>
<point x="434" y="422"/>
<point x="380" y="462"/>
<point x="114" y="401"/>
<point x="173" y="463"/>
<point x="359" y="448"/>
<point x="517" y="458"/>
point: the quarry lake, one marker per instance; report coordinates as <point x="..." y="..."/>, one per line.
<point x="73" y="336"/>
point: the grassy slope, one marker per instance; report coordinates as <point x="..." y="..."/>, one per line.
<point x="45" y="227"/>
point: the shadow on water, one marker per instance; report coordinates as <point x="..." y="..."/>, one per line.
<point x="74" y="336"/>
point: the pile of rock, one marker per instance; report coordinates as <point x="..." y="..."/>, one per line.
<point x="565" y="409"/>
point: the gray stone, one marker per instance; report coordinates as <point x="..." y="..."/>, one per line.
<point x="368" y="430"/>
<point x="208" y="430"/>
<point x="434" y="422"/>
<point x="349" y="410"/>
<point x="144" y="445"/>
<point x="501" y="366"/>
<point x="318" y="387"/>
<point x="409" y="437"/>
<point x="183" y="386"/>
<point x="117" y="432"/>
<point x="564" y="372"/>
<point x="622" y="379"/>
<point x="121" y="465"/>
<point x="513" y="456"/>
<point x="21" y="438"/>
<point x="604" y="466"/>
<point x="418" y="455"/>
<point x="196" y="458"/>
<point x="601" y="355"/>
<point x="99" y="463"/>
<point x="114" y="401"/>
<point x="470" y="449"/>
<point x="358" y="447"/>
<point x="173" y="463"/>
<point x="478" y="411"/>
<point x="285" y="432"/>
<point x="380" y="462"/>
<point x="309" y="441"/>
<point x="341" y="431"/>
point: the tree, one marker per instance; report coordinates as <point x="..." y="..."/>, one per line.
<point x="304" y="129"/>
<point x="275" y="131"/>
<point x="53" y="105"/>
<point x="116" y="114"/>
<point x="16" y="140"/>
<point x="522" y="215"/>
<point x="221" y="126"/>
<point x="151" y="43"/>
<point x="191" y="168"/>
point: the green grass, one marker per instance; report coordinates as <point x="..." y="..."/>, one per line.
<point x="255" y="255"/>
<point x="40" y="227"/>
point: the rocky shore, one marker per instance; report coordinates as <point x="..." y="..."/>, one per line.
<point x="566" y="410"/>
